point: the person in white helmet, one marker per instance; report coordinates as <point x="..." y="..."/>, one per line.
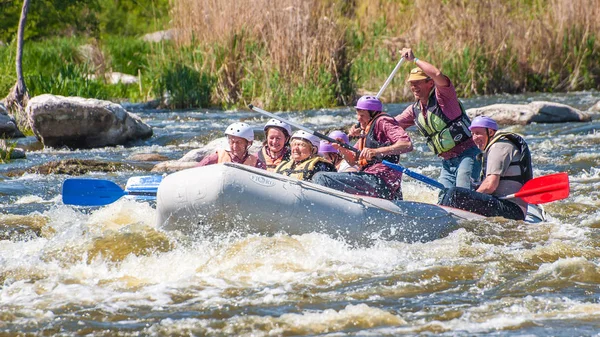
<point x="240" y="137"/>
<point x="304" y="160"/>
<point x="276" y="147"/>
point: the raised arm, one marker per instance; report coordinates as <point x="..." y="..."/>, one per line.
<point x="432" y="71"/>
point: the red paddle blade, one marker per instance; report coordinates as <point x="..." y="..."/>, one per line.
<point x="545" y="189"/>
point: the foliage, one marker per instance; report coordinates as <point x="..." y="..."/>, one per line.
<point x="132" y="18"/>
<point x="299" y="54"/>
<point x="6" y="150"/>
<point x="48" y="18"/>
<point x="183" y="86"/>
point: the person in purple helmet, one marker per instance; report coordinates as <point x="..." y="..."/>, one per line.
<point x="384" y="140"/>
<point x="506" y="162"/>
<point x="327" y="151"/>
<point x="441" y="119"/>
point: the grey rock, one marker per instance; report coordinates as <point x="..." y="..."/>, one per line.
<point x="538" y="112"/>
<point x="78" y="122"/>
<point x="8" y="125"/>
<point x="148" y="157"/>
<point x="18" y="154"/>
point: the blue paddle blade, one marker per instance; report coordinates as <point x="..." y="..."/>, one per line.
<point x="415" y="175"/>
<point x="90" y="192"/>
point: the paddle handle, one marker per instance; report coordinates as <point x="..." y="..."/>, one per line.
<point x="298" y="126"/>
<point x="389" y="79"/>
<point x="415" y="175"/>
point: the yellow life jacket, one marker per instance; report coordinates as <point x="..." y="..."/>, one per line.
<point x="303" y="170"/>
<point x="224" y="157"/>
<point x="442" y="133"/>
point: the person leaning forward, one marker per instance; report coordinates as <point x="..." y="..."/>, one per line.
<point x="441" y="118"/>
<point x="304" y="161"/>
<point x="506" y="162"/>
<point x="327" y="151"/>
<point x="384" y="140"/>
<point x="239" y="137"/>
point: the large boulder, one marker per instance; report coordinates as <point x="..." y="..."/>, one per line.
<point x="538" y="112"/>
<point x="78" y="122"/>
<point x="8" y="125"/>
<point x="596" y="107"/>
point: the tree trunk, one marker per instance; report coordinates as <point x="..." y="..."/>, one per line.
<point x="18" y="97"/>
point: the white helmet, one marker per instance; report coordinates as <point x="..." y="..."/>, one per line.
<point x="314" y="140"/>
<point x="279" y="124"/>
<point x="241" y="130"/>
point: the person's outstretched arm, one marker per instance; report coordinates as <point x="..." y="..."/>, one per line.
<point x="432" y="71"/>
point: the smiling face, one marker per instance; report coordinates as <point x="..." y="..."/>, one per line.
<point x="301" y="149"/>
<point x="237" y="145"/>
<point x="481" y="136"/>
<point x="421" y="89"/>
<point x="275" y="139"/>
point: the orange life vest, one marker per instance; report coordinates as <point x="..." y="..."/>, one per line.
<point x="369" y="141"/>
<point x="271" y="163"/>
<point x="224" y="157"/>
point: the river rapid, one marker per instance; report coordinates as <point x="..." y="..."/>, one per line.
<point x="111" y="271"/>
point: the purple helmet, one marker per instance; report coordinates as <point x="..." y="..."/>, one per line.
<point x="483" y="122"/>
<point x="326" y="147"/>
<point x="335" y="134"/>
<point x="370" y="103"/>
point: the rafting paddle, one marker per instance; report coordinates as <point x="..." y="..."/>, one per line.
<point x="389" y="79"/>
<point x="99" y="192"/>
<point x="538" y="190"/>
<point x="414" y="175"/>
<point x="544" y="189"/>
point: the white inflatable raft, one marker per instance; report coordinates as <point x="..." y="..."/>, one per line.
<point x="227" y="198"/>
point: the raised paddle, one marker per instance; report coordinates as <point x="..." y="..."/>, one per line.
<point x="298" y="126"/>
<point x="389" y="79"/>
<point x="99" y="192"/>
<point x="538" y="190"/>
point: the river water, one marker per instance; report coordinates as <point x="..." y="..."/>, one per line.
<point x="110" y="271"/>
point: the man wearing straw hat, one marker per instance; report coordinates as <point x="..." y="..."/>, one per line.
<point x="441" y="119"/>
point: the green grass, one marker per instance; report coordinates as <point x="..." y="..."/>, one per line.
<point x="233" y="73"/>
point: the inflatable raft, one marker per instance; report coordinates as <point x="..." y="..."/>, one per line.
<point x="226" y="198"/>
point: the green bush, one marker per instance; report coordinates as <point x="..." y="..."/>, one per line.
<point x="183" y="86"/>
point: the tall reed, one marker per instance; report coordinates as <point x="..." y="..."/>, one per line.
<point x="491" y="46"/>
<point x="269" y="51"/>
